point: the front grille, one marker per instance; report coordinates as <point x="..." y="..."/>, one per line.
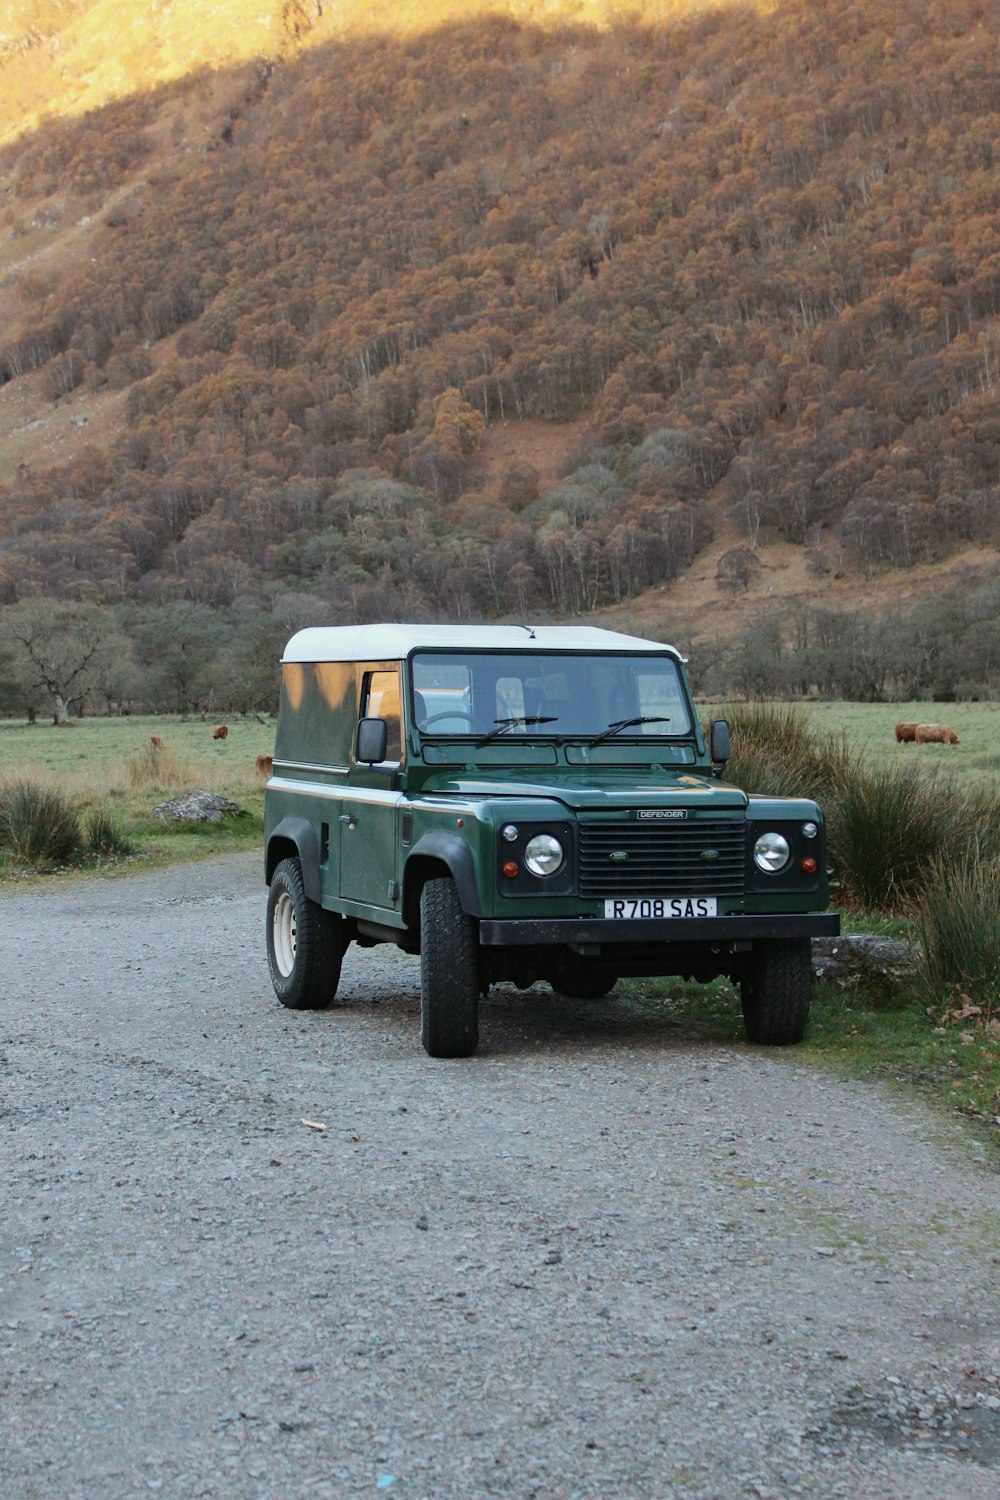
<point x="662" y="859"/>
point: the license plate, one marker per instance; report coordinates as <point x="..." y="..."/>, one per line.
<point x="650" y="907"/>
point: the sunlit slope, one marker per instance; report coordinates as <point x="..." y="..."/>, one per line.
<point x="63" y="57"/>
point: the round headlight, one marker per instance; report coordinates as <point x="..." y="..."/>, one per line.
<point x="543" y="854"/>
<point x="770" y="853"/>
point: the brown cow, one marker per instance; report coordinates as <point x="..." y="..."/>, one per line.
<point x="935" y="734"/>
<point x="156" y="742"/>
<point x="905" y="733"/>
<point x="220" y="731"/>
<point x="264" y="765"/>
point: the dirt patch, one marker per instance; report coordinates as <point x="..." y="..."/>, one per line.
<point x="694" y="607"/>
<point x="544" y="445"/>
<point x="37" y="434"/>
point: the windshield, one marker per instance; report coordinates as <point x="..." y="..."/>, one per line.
<point x="493" y="696"/>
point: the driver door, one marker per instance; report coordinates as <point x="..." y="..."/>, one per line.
<point x="369" y="847"/>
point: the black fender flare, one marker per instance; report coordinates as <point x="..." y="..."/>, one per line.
<point x="301" y="833"/>
<point x="451" y="851"/>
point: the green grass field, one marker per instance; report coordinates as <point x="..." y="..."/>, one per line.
<point x="869" y="729"/>
<point x="93" y="761"/>
<point x="93" y="752"/>
<point x="107" y="764"/>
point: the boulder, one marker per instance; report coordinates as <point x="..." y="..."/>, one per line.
<point x="858" y="958"/>
<point x="198" y="807"/>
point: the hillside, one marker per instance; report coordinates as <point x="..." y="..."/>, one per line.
<point x="540" y="308"/>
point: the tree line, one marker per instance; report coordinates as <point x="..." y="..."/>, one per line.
<point x="61" y="660"/>
<point x="945" y="649"/>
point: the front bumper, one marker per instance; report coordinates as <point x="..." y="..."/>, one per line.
<point x="569" y="931"/>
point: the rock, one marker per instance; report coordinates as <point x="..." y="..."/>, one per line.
<point x="198" y="807"/>
<point x="859" y="958"/>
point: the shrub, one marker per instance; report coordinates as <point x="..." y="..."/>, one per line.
<point x="104" y="839"/>
<point x="959" y="923"/>
<point x="39" y="825"/>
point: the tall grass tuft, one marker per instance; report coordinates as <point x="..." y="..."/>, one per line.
<point x="776" y="754"/>
<point x="889" y="827"/>
<point x="39" y="826"/>
<point x="104" y="838"/>
<point x="149" y="767"/>
<point x="958" y="918"/>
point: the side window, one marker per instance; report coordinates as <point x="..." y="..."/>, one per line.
<point x="380" y="700"/>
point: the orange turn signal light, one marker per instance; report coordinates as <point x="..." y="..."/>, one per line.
<point x="809" y="866"/>
<point x="509" y="869"/>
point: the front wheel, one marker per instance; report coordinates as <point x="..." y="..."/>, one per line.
<point x="449" y="972"/>
<point x="776" y="992"/>
<point x="305" y="943"/>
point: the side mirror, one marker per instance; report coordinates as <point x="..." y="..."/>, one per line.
<point x="719" y="742"/>
<point x="371" y="741"/>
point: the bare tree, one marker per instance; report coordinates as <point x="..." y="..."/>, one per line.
<point x="62" y="648"/>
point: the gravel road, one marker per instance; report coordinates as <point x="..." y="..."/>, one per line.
<point x="605" y="1258"/>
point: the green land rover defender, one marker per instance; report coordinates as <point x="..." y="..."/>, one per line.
<point x="518" y="803"/>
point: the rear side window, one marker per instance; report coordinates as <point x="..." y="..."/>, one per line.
<point x="319" y="713"/>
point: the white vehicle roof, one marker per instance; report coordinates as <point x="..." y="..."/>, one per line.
<point x="395" y="642"/>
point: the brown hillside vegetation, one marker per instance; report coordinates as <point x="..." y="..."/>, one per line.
<point x="742" y="262"/>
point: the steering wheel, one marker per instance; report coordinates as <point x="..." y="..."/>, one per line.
<point x="451" y="713"/>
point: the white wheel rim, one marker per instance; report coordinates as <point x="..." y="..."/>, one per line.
<point x="283" y="933"/>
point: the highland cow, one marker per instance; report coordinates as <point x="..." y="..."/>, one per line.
<point x="935" y="734"/>
<point x="905" y="733"/>
<point x="264" y="765"/>
<point x="156" y="742"/>
<point x="220" y="731"/>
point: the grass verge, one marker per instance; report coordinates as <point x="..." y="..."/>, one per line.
<point x="146" y="843"/>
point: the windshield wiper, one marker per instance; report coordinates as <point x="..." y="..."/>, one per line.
<point x="621" y="724"/>
<point x="504" y="724"/>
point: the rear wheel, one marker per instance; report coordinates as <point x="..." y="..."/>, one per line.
<point x="776" y="991"/>
<point x="305" y="943"/>
<point x="449" y="972"/>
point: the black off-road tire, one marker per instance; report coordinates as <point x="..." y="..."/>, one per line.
<point x="305" y="943"/>
<point x="776" y="991"/>
<point x="449" y="972"/>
